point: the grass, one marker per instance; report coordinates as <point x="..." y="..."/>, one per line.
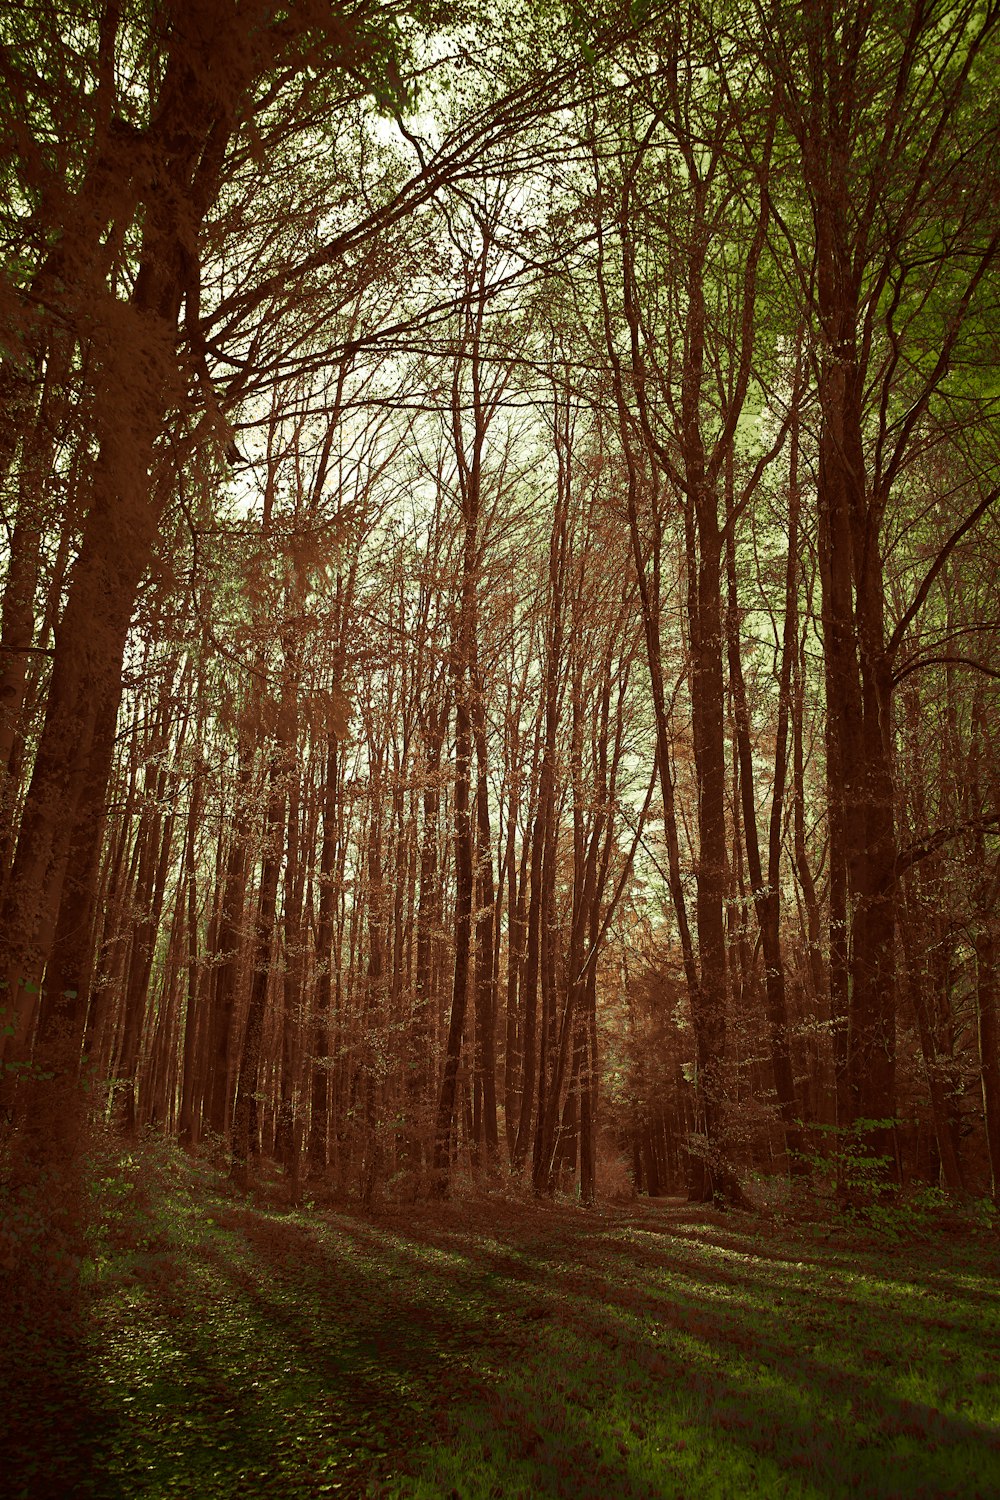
<point x="227" y="1349"/>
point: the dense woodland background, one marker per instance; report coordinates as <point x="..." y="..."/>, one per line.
<point x="500" y="589"/>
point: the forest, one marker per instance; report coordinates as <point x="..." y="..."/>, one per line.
<point x="500" y="626"/>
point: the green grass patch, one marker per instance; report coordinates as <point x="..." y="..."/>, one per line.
<point x="494" y="1349"/>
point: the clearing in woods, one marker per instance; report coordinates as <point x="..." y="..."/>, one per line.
<point x="229" y="1348"/>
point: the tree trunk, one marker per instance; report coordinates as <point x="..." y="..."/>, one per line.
<point x="766" y="895"/>
<point x="464" y="886"/>
<point x="246" y="1112"/>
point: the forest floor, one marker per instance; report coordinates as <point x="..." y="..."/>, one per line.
<point x="225" y="1348"/>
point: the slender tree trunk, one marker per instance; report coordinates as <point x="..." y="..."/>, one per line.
<point x="989" y="1045"/>
<point x="486" y="985"/>
<point x="766" y="895"/>
<point x="320" y="1051"/>
<point x="246" y="1112"/>
<point x="464" y="887"/>
<point x="195" y="1028"/>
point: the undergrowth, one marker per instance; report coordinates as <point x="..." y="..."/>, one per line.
<point x="228" y="1348"/>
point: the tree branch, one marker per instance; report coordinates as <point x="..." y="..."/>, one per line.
<point x="935" y="568"/>
<point x="907" y="858"/>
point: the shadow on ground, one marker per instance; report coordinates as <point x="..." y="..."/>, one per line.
<point x="503" y="1350"/>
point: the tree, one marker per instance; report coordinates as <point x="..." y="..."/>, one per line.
<point x="891" y="157"/>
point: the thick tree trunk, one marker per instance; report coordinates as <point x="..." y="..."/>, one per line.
<point x="859" y="773"/>
<point x="86" y="673"/>
<point x="139" y="383"/>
